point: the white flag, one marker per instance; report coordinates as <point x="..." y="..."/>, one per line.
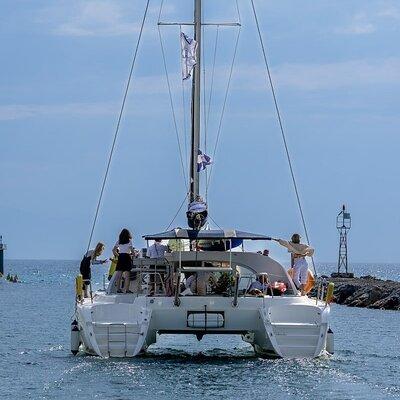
<point x="189" y="60"/>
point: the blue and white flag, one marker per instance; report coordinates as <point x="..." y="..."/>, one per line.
<point x="202" y="161"/>
<point x="189" y="59"/>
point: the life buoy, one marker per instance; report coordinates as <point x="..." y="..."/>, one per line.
<point x="310" y="279"/>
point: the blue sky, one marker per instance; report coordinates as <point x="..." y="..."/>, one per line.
<point x="64" y="65"/>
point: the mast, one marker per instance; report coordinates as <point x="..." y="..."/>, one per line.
<point x="194" y="175"/>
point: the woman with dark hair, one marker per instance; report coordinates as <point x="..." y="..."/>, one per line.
<point x="124" y="250"/>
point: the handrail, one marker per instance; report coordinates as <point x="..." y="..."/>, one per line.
<point x="177" y="300"/>
<point x="322" y="284"/>
<point x="236" y="295"/>
<point x="207" y="269"/>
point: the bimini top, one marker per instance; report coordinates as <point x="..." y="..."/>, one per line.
<point x="208" y="234"/>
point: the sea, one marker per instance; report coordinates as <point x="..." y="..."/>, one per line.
<point x="36" y="363"/>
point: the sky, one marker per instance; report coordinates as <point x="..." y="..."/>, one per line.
<point x="64" y="67"/>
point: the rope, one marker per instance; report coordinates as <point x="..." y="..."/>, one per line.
<point x="118" y="125"/>
<point x="212" y="74"/>
<point x="224" y="104"/>
<point x="213" y="220"/>
<point x="204" y="102"/>
<point x="185" y="131"/>
<point x="179" y="210"/>
<point x="185" y="179"/>
<point x="238" y="12"/>
<point x="209" y="101"/>
<point x="282" y="131"/>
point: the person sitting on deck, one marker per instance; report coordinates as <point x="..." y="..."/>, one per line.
<point x="89" y="259"/>
<point x="259" y="286"/>
<point x="197" y="213"/>
<point x="124" y="250"/>
<point x="298" y="252"/>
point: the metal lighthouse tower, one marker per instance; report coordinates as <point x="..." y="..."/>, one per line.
<point x="2" y="248"/>
<point x="343" y="225"/>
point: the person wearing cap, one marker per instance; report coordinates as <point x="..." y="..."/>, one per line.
<point x="298" y="252"/>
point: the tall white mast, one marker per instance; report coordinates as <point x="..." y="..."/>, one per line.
<point x="194" y="175"/>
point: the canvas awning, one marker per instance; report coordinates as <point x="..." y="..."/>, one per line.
<point x="209" y="234"/>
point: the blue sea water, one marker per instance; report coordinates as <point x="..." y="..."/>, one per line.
<point x="36" y="363"/>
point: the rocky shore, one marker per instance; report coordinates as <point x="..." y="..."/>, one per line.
<point x="367" y="291"/>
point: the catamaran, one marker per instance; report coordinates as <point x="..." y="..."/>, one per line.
<point x="277" y="320"/>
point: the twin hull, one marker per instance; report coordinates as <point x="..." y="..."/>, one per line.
<point x="125" y="325"/>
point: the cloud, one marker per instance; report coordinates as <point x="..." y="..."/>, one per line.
<point x="360" y="25"/>
<point x="392" y="13"/>
<point x="23" y="111"/>
<point x="303" y="77"/>
<point x="370" y="21"/>
<point x="95" y="17"/>
<point x="354" y="73"/>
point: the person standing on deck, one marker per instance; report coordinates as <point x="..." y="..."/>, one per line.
<point x="299" y="264"/>
<point x="124" y="250"/>
<point x="89" y="259"/>
<point x="156" y="250"/>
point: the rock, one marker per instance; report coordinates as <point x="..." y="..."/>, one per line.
<point x="367" y="291"/>
<point x="390" y="302"/>
<point x="369" y="277"/>
<point x="343" y="292"/>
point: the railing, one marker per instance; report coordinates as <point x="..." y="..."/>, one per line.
<point x="324" y="291"/>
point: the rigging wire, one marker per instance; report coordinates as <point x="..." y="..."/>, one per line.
<point x="207" y="119"/>
<point x="213" y="220"/>
<point x="204" y="103"/>
<point x="184" y="172"/>
<point x="118" y="125"/>
<point x="212" y="74"/>
<point x="176" y="214"/>
<point x="282" y="130"/>
<point x="238" y="12"/>
<point x="224" y="104"/>
<point x="185" y="130"/>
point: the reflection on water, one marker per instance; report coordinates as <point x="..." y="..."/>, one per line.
<point x="36" y="362"/>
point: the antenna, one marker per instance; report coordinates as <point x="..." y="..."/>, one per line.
<point x="343" y="225"/>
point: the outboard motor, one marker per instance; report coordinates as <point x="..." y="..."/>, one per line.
<point x="197" y="213"/>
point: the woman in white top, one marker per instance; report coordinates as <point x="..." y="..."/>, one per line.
<point x="299" y="264"/>
<point x="124" y="250"/>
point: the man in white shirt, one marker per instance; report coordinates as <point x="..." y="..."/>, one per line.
<point x="157" y="250"/>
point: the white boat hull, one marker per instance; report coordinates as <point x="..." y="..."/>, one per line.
<point x="126" y="325"/>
